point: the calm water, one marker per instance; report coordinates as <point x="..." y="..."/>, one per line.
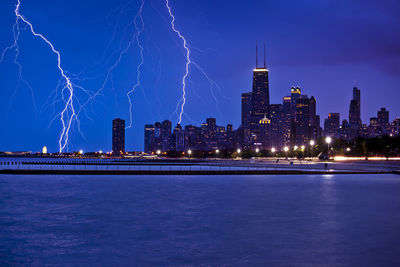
<point x="200" y="220"/>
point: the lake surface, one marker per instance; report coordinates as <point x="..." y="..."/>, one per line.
<point x="342" y="220"/>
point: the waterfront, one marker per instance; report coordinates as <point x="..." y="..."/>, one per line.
<point x="330" y="220"/>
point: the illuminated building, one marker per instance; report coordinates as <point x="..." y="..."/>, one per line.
<point x="149" y="131"/>
<point x="118" y="136"/>
<point x="259" y="101"/>
<point x="395" y="127"/>
<point x="166" y="128"/>
<point x="178" y="139"/>
<point x="277" y="129"/>
<point x="305" y="120"/>
<point x="264" y="134"/>
<point x="287" y="120"/>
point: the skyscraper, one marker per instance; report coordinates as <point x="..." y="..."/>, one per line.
<point x="355" y="114"/>
<point x="118" y="136"/>
<point x="260" y="100"/>
<point x="305" y="120"/>
<point x="149" y="130"/>
<point x="287" y="120"/>
<point x="332" y="125"/>
<point x="383" y="117"/>
<point x="246" y="117"/>
<point x="166" y="128"/>
<point x="276" y="128"/>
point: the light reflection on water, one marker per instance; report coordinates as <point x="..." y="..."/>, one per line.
<point x="200" y="220"/>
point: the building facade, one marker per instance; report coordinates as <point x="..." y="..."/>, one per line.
<point x="118" y="136"/>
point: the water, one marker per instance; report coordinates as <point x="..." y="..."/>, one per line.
<point x="344" y="220"/>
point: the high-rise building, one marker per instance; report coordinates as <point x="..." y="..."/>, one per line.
<point x="287" y="121"/>
<point x="383" y="117"/>
<point x="277" y="129"/>
<point x="166" y="128"/>
<point x="260" y="101"/>
<point x="332" y="125"/>
<point x="246" y="117"/>
<point x="149" y="130"/>
<point x="355" y="114"/>
<point x="118" y="136"/>
<point x="305" y="120"/>
<point x="178" y="139"/>
<point x="210" y="134"/>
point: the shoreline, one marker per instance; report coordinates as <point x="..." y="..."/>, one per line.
<point x="186" y="172"/>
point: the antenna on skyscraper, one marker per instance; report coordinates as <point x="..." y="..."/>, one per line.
<point x="265" y="64"/>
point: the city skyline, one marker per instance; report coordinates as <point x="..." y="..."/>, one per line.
<point x="303" y="58"/>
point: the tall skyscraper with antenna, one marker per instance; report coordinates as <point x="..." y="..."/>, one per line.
<point x="260" y="100"/>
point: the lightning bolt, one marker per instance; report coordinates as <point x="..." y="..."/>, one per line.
<point x="138" y="23"/>
<point x="21" y="80"/>
<point x="182" y="101"/>
<point x="139" y="31"/>
<point x="211" y="82"/>
<point x="68" y="114"/>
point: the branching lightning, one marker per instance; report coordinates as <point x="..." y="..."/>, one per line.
<point x="139" y="31"/>
<point x="68" y="114"/>
<point x="138" y="23"/>
<point x="67" y="92"/>
<point x="21" y="80"/>
<point x="181" y="102"/>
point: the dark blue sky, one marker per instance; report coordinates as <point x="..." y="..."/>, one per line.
<point x="325" y="47"/>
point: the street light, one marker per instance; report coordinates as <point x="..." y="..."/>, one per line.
<point x="328" y="140"/>
<point x="273" y="150"/>
<point x="295" y="148"/>
<point x="348" y="149"/>
<point x="217" y="151"/>
<point x="189" y="152"/>
<point x="286" y="149"/>
<point x="238" y="151"/>
<point x="80" y="152"/>
<point x="158" y="152"/>
<point x="312" y="143"/>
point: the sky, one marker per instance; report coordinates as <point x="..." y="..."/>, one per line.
<point x="326" y="47"/>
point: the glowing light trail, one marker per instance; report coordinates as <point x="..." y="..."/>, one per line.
<point x="181" y="102"/>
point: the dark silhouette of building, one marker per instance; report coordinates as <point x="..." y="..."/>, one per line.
<point x="276" y="128"/>
<point x="166" y="128"/>
<point x="118" y="137"/>
<point x="287" y="121"/>
<point x="383" y="117"/>
<point x="332" y="125"/>
<point x="149" y="130"/>
<point x="355" y="114"/>
<point x="305" y="120"/>
<point x="246" y="117"/>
